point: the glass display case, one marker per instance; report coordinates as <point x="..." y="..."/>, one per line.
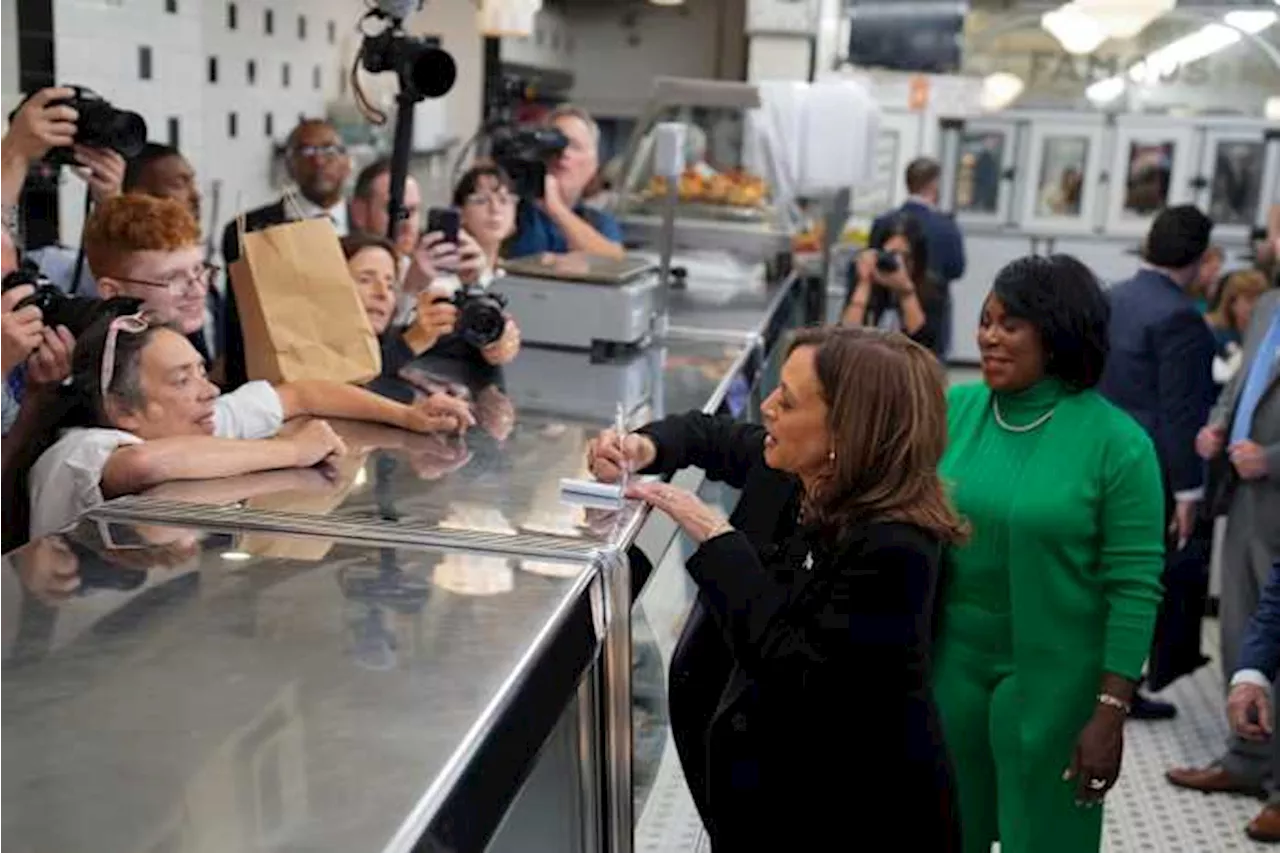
<point x="731" y="195"/>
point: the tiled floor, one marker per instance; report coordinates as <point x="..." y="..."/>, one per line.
<point x="1144" y="813"/>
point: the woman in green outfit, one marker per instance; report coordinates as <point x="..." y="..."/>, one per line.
<point x="1047" y="612"/>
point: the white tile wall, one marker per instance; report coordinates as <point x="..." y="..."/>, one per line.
<point x="96" y="44"/>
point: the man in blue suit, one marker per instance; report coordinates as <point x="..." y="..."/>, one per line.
<point x="942" y="235"/>
<point x="1160" y="371"/>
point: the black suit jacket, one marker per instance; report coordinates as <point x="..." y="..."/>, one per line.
<point x="800" y="691"/>
<point x="232" y="337"/>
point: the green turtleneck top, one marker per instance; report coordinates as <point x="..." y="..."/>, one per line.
<point x="1067" y="518"/>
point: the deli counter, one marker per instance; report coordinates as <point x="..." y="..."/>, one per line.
<point x="420" y="648"/>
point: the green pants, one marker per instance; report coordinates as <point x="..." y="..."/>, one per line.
<point x="1009" y="752"/>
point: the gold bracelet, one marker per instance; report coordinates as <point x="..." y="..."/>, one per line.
<point x="1114" y="702"/>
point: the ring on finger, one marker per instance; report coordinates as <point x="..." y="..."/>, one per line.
<point x="1097" y="784"/>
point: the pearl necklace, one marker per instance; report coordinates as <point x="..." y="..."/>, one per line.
<point x="1005" y="425"/>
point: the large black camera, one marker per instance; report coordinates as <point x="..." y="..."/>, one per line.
<point x="99" y="125"/>
<point x="77" y="313"/>
<point x="425" y="69"/>
<point x="523" y="154"/>
<point x="481" y="315"/>
<point x="887" y="262"/>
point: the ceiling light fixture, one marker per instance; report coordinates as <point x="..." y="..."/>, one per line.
<point x="999" y="90"/>
<point x="1124" y="19"/>
<point x="1204" y="42"/>
<point x="1077" y="32"/>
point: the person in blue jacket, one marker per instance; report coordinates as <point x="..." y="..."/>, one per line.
<point x="559" y="223"/>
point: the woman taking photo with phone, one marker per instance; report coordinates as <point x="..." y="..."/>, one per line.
<point x="800" y="698"/>
<point x="890" y="285"/>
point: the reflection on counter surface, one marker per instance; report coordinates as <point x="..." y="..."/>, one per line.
<point x="502" y="478"/>
<point x="419" y="646"/>
<point x="169" y="689"/>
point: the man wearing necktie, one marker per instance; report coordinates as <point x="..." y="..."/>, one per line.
<point x="318" y="162"/>
<point x="1243" y="434"/>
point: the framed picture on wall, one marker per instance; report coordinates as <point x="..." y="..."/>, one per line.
<point x="986" y="154"/>
<point x="1064" y="168"/>
<point x="1232" y="167"/>
<point x="1152" y="170"/>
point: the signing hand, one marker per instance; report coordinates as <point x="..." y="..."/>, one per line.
<point x="1249" y="459"/>
<point x="608" y="458"/>
<point x="1249" y="711"/>
<point x="314" y="442"/>
<point x="102" y="169"/>
<point x="20" y="331"/>
<point x="440" y="413"/>
<point x="1210" y="442"/>
<point x="37" y="127"/>
<point x="505" y="349"/>
<point x="51" y="362"/>
<point x="698" y="520"/>
<point x="1095" y="763"/>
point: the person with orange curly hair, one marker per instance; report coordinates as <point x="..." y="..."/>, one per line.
<point x="149" y="248"/>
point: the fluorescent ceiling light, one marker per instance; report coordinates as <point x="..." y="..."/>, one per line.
<point x="1124" y="19"/>
<point x="999" y="90"/>
<point x="1105" y="91"/>
<point x="1200" y="44"/>
<point x="1272" y="108"/>
<point x="1251" y="21"/>
<point x="1077" y="32"/>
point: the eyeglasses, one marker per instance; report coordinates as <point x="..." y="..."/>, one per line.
<point x="333" y="149"/>
<point x="179" y="283"/>
<point x="134" y="324"/>
<point x="501" y="199"/>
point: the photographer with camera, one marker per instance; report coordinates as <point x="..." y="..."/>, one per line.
<point x="559" y="223"/>
<point x="891" y="287"/>
<point x="47" y="126"/>
<point x="372" y="262"/>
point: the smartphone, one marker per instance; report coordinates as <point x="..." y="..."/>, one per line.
<point x="447" y="221"/>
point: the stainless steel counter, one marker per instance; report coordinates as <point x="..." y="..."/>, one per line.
<point x="369" y="658"/>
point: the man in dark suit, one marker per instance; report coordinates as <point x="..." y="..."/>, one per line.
<point x="942" y="235"/>
<point x="318" y="163"/>
<point x="1160" y="369"/>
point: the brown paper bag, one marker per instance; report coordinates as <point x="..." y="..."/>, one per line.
<point x="299" y="310"/>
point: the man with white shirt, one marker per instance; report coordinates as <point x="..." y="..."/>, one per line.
<point x="319" y="165"/>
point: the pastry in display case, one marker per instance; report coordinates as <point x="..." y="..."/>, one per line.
<point x="728" y="196"/>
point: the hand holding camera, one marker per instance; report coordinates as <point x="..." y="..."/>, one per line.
<point x="50" y="364"/>
<point x="888" y="271"/>
<point x="21" y="326"/>
<point x="43" y="122"/>
<point x="505" y="349"/>
<point x="434" y="320"/>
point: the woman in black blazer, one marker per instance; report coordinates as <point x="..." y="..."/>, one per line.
<point x="799" y="692"/>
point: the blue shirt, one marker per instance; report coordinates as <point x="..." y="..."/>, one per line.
<point x="537" y="232"/>
<point x="1256" y="381"/>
